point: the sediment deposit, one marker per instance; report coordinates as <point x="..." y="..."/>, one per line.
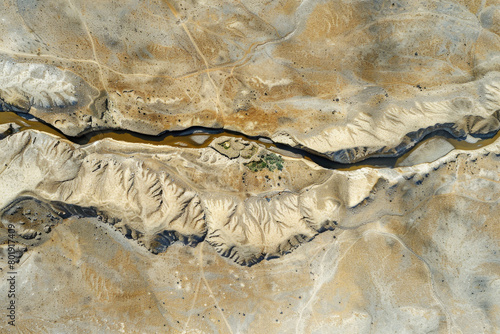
<point x="248" y="167"/>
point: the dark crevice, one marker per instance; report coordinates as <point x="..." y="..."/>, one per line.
<point x="385" y="157"/>
<point x="318" y="159"/>
<point x="180" y="134"/>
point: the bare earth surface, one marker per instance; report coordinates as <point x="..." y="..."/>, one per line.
<point x="421" y="242"/>
<point x="344" y="79"/>
<point x="222" y="233"/>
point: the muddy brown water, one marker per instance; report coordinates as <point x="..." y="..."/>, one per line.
<point x="171" y="140"/>
<point x="187" y="139"/>
<point x="457" y="144"/>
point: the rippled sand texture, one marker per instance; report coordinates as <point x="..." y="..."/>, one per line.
<point x="406" y="250"/>
<point x="345" y="79"/>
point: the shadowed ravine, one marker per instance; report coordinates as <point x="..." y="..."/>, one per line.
<point x="226" y="189"/>
<point x="187" y="139"/>
<point x="287" y="166"/>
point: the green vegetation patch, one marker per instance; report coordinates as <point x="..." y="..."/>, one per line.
<point x="270" y="161"/>
<point x="226" y="145"/>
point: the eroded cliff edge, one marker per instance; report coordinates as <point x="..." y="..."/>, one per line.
<point x="247" y="202"/>
<point x="433" y="225"/>
<point x="344" y="79"/>
<point x="234" y="237"/>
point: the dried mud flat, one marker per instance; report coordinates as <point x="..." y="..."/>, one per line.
<point x="233" y="234"/>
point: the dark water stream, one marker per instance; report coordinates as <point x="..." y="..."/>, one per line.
<point x="198" y="137"/>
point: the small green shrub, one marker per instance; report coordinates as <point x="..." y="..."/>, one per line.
<point x="270" y="161"/>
